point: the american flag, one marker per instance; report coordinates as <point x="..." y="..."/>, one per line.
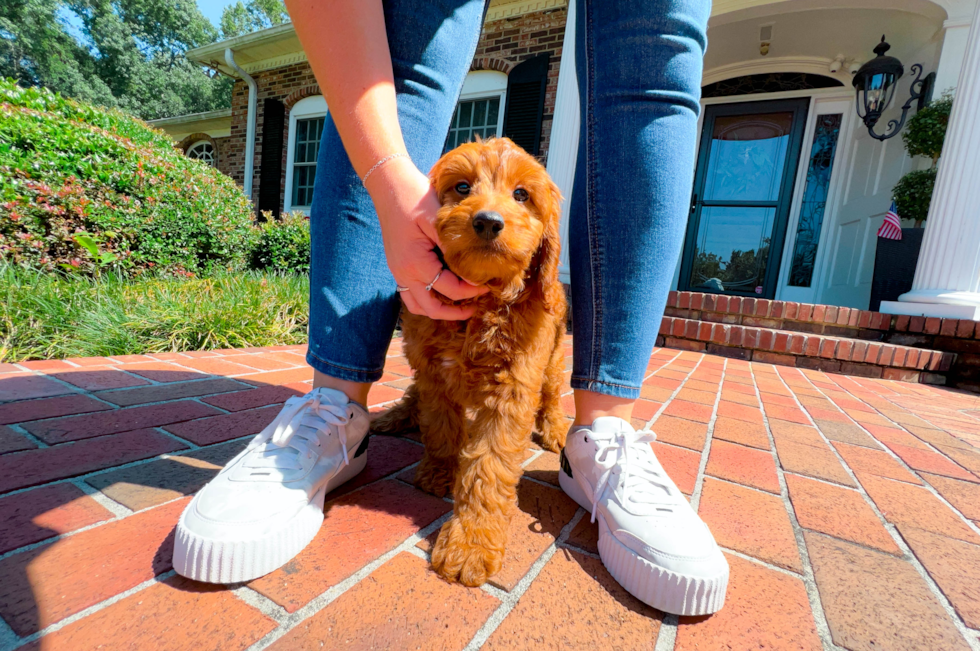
<point x="891" y="228"/>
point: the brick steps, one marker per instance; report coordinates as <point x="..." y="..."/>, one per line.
<point x="808" y="350"/>
<point x="826" y="337"/>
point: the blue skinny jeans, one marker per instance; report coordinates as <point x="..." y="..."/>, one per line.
<point x="638" y="64"/>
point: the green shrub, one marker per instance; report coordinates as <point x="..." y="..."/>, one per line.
<point x="912" y="194"/>
<point x="87" y="190"/>
<point x="283" y="245"/>
<point x="926" y="129"/>
<point x="51" y="316"/>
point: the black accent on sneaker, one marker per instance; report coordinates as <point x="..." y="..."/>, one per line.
<point x="362" y="448"/>
<point x="565" y="466"/>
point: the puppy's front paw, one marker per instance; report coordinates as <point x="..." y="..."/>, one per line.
<point x="458" y="557"/>
<point x="553" y="435"/>
<point x="434" y="476"/>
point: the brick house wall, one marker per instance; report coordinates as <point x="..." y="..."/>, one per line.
<point x="513" y="40"/>
<point x="517" y="39"/>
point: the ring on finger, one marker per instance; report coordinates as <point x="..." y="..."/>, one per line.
<point x="399" y="288"/>
<point x="428" y="287"/>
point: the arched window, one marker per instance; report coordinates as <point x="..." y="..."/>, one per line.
<point x="480" y="111"/>
<point x="202" y="150"/>
<point x="770" y="82"/>
<point x="306" y="119"/>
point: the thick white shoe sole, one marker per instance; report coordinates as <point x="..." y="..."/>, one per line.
<point x="656" y="586"/>
<point x="235" y="561"/>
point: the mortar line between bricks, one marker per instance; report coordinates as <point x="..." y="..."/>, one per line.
<point x="206" y="377"/>
<point x="114" y="507"/>
<point x="673" y="394"/>
<point x="579" y="550"/>
<point x="129" y="464"/>
<point x="182" y="441"/>
<point x="69" y="534"/>
<point x="8" y="639"/>
<point x="667" y="635"/>
<point x="809" y="580"/>
<point x="508" y="603"/>
<point x="105" y="603"/>
<point x="969" y="523"/>
<point x="892" y="530"/>
<point x="288" y="621"/>
<point x="30" y="437"/>
<point x="709" y="436"/>
<point x="896" y="425"/>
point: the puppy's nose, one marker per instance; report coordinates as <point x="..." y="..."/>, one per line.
<point x="488" y="224"/>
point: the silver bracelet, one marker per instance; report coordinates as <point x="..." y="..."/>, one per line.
<point x="379" y="164"/>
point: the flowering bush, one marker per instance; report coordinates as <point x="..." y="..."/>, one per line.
<point x="84" y="189"/>
<point x="283" y="245"/>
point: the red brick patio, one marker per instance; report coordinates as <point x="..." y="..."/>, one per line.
<point x="848" y="507"/>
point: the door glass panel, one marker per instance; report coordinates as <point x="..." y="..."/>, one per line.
<point x="814" y="199"/>
<point x="732" y="249"/>
<point x="747" y="157"/>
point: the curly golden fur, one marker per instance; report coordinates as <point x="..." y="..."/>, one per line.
<point x="481" y="386"/>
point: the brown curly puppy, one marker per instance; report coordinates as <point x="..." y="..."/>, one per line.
<point x="482" y="385"/>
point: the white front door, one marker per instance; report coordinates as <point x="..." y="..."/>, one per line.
<point x="869" y="170"/>
<point x="812" y="234"/>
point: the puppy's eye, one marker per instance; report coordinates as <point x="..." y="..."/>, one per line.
<point x="462" y="188"/>
<point x="521" y="195"/>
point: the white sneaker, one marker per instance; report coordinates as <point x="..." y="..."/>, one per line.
<point x="650" y="539"/>
<point x="266" y="505"/>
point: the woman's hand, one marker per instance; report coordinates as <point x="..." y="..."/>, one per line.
<point x="407" y="204"/>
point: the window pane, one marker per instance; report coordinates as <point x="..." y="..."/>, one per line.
<point x="732" y="249"/>
<point x="465" y="113"/>
<point x="479" y="113"/>
<point x="748" y="154"/>
<point x="493" y="109"/>
<point x="814" y="199"/>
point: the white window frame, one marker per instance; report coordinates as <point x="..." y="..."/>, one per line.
<point x="485" y="84"/>
<point x="305" y="109"/>
<point x="214" y="151"/>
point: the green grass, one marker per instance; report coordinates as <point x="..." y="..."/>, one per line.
<point x="45" y="316"/>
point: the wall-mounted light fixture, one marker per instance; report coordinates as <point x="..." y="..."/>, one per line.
<point x="875" y="83"/>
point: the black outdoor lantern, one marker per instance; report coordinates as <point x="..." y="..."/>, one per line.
<point x="876" y="81"/>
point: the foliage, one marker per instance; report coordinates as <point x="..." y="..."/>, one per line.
<point x="87" y="190"/>
<point x="45" y="316"/>
<point x="912" y="194"/>
<point x="926" y="129"/>
<point x="251" y="16"/>
<point x="127" y="54"/>
<point x="283" y="245"/>
<point x="744" y="271"/>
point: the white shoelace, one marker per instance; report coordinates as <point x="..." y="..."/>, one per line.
<point x="281" y="431"/>
<point x="639" y="471"/>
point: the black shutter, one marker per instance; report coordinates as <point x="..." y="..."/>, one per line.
<point x="525" y="102"/>
<point x="270" y="175"/>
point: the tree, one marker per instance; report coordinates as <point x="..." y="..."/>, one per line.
<point x="116" y="53"/>
<point x="251" y="16"/>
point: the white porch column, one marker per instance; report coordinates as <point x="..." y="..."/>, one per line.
<point x="947" y="276"/>
<point x="563" y="148"/>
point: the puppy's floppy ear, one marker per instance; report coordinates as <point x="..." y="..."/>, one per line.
<point x="550" y="252"/>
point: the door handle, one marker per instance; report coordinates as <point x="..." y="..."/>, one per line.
<point x="694" y="202"/>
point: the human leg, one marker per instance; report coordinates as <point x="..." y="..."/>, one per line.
<point x="639" y="101"/>
<point x="639" y="67"/>
<point x="353" y="303"/>
<point x="267" y="504"/>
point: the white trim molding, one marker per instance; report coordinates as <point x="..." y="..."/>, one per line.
<point x="305" y="109"/>
<point x="521" y="7"/>
<point x="947" y="275"/>
<point x="563" y="154"/>
<point x="809" y="65"/>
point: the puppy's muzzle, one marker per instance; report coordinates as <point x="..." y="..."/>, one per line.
<point x="488" y="224"/>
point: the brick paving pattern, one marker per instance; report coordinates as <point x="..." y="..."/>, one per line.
<point x="848" y="508"/>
